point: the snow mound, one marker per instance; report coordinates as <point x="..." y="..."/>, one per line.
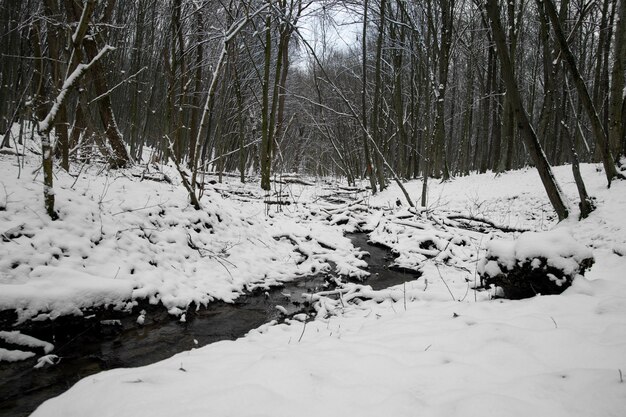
<point x="534" y="263"/>
<point x="17" y="338"/>
<point x="7" y="355"/>
<point x="55" y="291"/>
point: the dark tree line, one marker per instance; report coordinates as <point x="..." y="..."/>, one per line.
<point x="432" y="88"/>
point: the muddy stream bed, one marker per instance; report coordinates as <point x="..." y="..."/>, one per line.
<point x="90" y="346"/>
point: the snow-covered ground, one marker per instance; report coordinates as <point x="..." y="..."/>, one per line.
<point x="432" y="347"/>
<point x="121" y="238"/>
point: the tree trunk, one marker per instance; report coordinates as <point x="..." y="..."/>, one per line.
<point x="523" y="123"/>
<point x="376" y="133"/>
<point x="617" y="104"/>
<point x="46" y="149"/>
<point x="266" y="140"/>
<point x="596" y="125"/>
<point x="107" y="116"/>
<point x="55" y="49"/>
<point x="195" y="100"/>
<point x="240" y="123"/>
<point x="135" y="65"/>
<point x="439" y="152"/>
<point x="368" y="159"/>
<point x="398" y="99"/>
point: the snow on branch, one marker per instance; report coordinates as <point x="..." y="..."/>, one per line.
<point x="117" y="85"/>
<point x="46" y="124"/>
<point x="81" y="28"/>
<point x="236" y="27"/>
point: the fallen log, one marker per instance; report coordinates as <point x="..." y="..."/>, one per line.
<point x="536" y="263"/>
<point x="487" y="222"/>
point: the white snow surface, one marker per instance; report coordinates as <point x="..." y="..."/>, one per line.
<point x="17" y="338"/>
<point x="120" y="238"/>
<point x="8" y="355"/>
<point x="432" y="347"/>
<point x="558" y="247"/>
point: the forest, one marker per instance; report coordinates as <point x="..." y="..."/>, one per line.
<point x="429" y="89"/>
<point x="312" y="207"/>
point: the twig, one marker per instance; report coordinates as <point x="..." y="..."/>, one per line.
<point x="17" y="155"/>
<point x="409" y="224"/>
<point x="476" y="268"/>
<point x="137" y="209"/>
<point x="217" y="158"/>
<point x="105" y="191"/>
<point x="115" y="86"/>
<point x="556" y="326"/>
<point x="78" y="175"/>
<point x="303" y="329"/>
<point x="195" y="200"/>
<point x="466" y="289"/>
<point x="404" y="291"/>
<point x="210" y="254"/>
<point x="445" y="283"/>
<point x="36" y="214"/>
<point x="265" y="244"/>
<point x="219" y="260"/>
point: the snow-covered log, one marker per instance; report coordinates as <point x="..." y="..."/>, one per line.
<point x="535" y="263"/>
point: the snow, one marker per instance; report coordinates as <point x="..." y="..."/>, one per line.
<point x="497" y="358"/>
<point x="142" y="318"/>
<point x="120" y="239"/>
<point x="431" y="347"/>
<point x="7" y="355"/>
<point x="17" y="338"/>
<point x="46" y="360"/>
<point x="557" y="246"/>
<point x="55" y="291"/>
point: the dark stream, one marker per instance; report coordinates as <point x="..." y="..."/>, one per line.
<point x="382" y="275"/>
<point x="89" y="346"/>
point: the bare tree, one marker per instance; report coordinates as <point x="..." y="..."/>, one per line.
<point x="596" y="125"/>
<point x="558" y="200"/>
<point x="48" y="118"/>
<point x="617" y="101"/>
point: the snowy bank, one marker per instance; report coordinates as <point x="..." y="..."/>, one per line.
<point x="121" y="238"/>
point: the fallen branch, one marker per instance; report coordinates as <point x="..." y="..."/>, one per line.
<point x="15" y="232"/>
<point x="143" y="176"/>
<point x="488" y="223"/>
<point x="10" y="151"/>
<point x="183" y="176"/>
<point x="410" y="224"/>
<point x="296" y="181"/>
<point x="279" y="202"/>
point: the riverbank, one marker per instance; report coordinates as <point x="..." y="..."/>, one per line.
<point x="122" y="237"/>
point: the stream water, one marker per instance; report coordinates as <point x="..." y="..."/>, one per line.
<point x="87" y="347"/>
